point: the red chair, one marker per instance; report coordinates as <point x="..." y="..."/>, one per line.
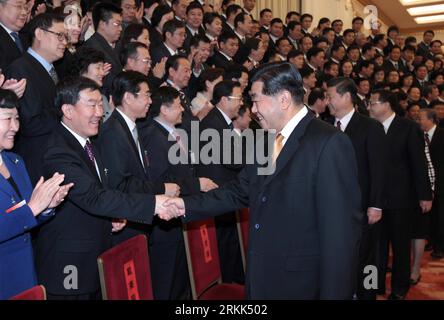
<point x="35" y="293"/>
<point x="243" y="222"/>
<point x="125" y="271"/>
<point x="204" y="266"/>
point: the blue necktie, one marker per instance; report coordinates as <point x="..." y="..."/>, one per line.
<point x="17" y="40"/>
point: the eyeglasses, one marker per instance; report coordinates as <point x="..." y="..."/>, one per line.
<point x="143" y="94"/>
<point x="235" y="98"/>
<point x="145" y="60"/>
<point x="60" y="35"/>
<point x="117" y="24"/>
<point x="372" y="103"/>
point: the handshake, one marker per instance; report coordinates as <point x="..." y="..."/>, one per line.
<point x="168" y="208"/>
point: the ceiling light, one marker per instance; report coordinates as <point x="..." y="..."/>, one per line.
<point x="425" y="10"/>
<point x="430" y="19"/>
<point x="417" y="2"/>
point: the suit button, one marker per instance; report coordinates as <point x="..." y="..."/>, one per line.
<point x="264" y="199"/>
<point x="257" y="226"/>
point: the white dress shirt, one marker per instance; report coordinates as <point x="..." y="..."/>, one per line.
<point x="131" y="126"/>
<point x="345" y="120"/>
<point x="388" y="122"/>
<point x="291" y="125"/>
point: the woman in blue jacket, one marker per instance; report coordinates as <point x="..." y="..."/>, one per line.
<point x="21" y="207"/>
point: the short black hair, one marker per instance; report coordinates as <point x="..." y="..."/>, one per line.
<point x="264" y="11"/>
<point x="292" y="24"/>
<point x="130" y="51"/>
<point x="86" y="56"/>
<point x="278" y="77"/>
<point x="252" y="44"/>
<point x="315" y="94"/>
<point x="387" y="96"/>
<point x="210" y="74"/>
<point x="173" y="62"/>
<point x="276" y="20"/>
<point x="294" y="53"/>
<point x="347" y="31"/>
<point x="392" y="28"/>
<point x="126" y="81"/>
<point x="103" y="11"/>
<point x="344" y="85"/>
<point x="365" y="64"/>
<point x="357" y="19"/>
<point x="367" y="47"/>
<point x="223" y="89"/>
<point x="209" y="17"/>
<point x="394" y="47"/>
<point x="198" y="38"/>
<point x="306" y="15"/>
<point x="43" y="21"/>
<point x="171" y="27"/>
<point x="235" y="72"/>
<point x="378" y="38"/>
<point x="313" y="52"/>
<point x="132" y="32"/>
<point x="292" y="13"/>
<point x="68" y="90"/>
<point x="194" y="5"/>
<point x="240" y="18"/>
<point x="163" y="96"/>
<point x="225" y="36"/>
<point x="429" y="31"/>
<point x="8" y="99"/>
<point x="232" y="9"/>
<point x="158" y="13"/>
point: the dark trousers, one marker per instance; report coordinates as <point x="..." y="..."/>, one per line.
<point x="437" y="224"/>
<point x="368" y="256"/>
<point x="395" y="231"/>
<point x="229" y="249"/>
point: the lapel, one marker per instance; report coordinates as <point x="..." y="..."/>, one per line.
<point x="290" y="147"/>
<point x="11" y="163"/>
<point x="435" y="139"/>
<point x="353" y="124"/>
<point x="40" y="69"/>
<point x="107" y="48"/>
<point x="220" y="118"/>
<point x="393" y="127"/>
<point x="74" y="145"/>
<point x="6" y="39"/>
<point x="120" y="121"/>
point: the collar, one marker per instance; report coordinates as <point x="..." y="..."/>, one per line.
<point x="311" y="66"/>
<point x="210" y="37"/>
<point x="227" y="118"/>
<point x="239" y="35"/>
<point x="226" y="56"/>
<point x="345" y="119"/>
<point x="388" y="122"/>
<point x="334" y="60"/>
<point x="130" y="123"/>
<point x="193" y="32"/>
<point x="273" y="38"/>
<point x="171" y="51"/>
<point x="291" y="125"/>
<point x="171" y="83"/>
<point x="79" y="138"/>
<point x="230" y="25"/>
<point x="431" y="132"/>
<point x="9" y="31"/>
<point x="48" y="66"/>
<point x="165" y="126"/>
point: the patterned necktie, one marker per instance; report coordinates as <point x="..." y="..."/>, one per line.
<point x="427" y="138"/>
<point x="53" y="75"/>
<point x="396" y="66"/>
<point x="90" y="152"/>
<point x="278" y="145"/>
<point x="338" y="125"/>
<point x="17" y="41"/>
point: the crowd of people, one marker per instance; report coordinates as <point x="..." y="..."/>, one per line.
<point x="99" y="90"/>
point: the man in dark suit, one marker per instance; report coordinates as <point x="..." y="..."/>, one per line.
<point x="81" y="230"/>
<point x="107" y="20"/>
<point x="231" y="13"/>
<point x="228" y="47"/>
<point x="124" y="153"/>
<point x="420" y="80"/>
<point x="407" y="187"/>
<point x="434" y="137"/>
<point x="368" y="138"/>
<point x="194" y="21"/>
<point x="424" y="47"/>
<point x="174" y="35"/>
<point x="303" y="241"/>
<point x="12" y="42"/>
<point x="242" y="25"/>
<point x="394" y="63"/>
<point x="227" y="98"/>
<point x="37" y="113"/>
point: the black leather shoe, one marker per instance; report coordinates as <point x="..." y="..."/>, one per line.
<point x="414" y="282"/>
<point x="437" y="254"/>
<point x="395" y="296"/>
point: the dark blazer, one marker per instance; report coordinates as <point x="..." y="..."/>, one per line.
<point x="120" y="156"/>
<point x="8" y="49"/>
<point x="17" y="271"/>
<point x="369" y="142"/>
<point x="424" y="51"/>
<point x="81" y="229"/>
<point x="186" y="43"/>
<point x="159" y="52"/>
<point x="38" y="115"/>
<point x="312" y="201"/>
<point x="156" y="38"/>
<point x="242" y="52"/>
<point x="437" y="154"/>
<point x="417" y="83"/>
<point x="389" y="66"/>
<point x="218" y="60"/>
<point x="407" y="179"/>
<point x="111" y="56"/>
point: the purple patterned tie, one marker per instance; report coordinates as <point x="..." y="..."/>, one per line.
<point x="89" y="151"/>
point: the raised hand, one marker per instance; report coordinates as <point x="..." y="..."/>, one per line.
<point x="60" y="195"/>
<point x="12" y="84"/>
<point x="165" y="212"/>
<point x="140" y="12"/>
<point x="107" y="68"/>
<point x="207" y="184"/>
<point x="373" y="215"/>
<point x="118" y="224"/>
<point x="43" y="193"/>
<point x="172" y="190"/>
<point x="159" y="68"/>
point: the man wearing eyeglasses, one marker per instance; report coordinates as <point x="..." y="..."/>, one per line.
<point x="227" y="98"/>
<point x="37" y="113"/>
<point x="107" y="20"/>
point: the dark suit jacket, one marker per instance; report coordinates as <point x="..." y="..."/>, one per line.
<point x="38" y="116"/>
<point x="304" y="216"/>
<point x="186" y="43"/>
<point x="242" y="52"/>
<point x="81" y="229"/>
<point x="389" y="66"/>
<point x="424" y="50"/>
<point x="120" y="156"/>
<point x="8" y="49"/>
<point x="407" y="179"/>
<point x="218" y="60"/>
<point x="437" y="154"/>
<point x="111" y="56"/>
<point x="155" y="38"/>
<point x="369" y="141"/>
<point x="158" y="52"/>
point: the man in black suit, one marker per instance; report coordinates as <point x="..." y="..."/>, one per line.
<point x="393" y="63"/>
<point x="174" y="35"/>
<point x="227" y="98"/>
<point x="38" y="116"/>
<point x="303" y="241"/>
<point x="294" y="34"/>
<point x="434" y="137"/>
<point x="107" y="20"/>
<point x="420" y="80"/>
<point x="407" y="187"/>
<point x="194" y="21"/>
<point x="424" y="47"/>
<point x="228" y="47"/>
<point x="242" y="29"/>
<point x="231" y="13"/>
<point x="200" y="49"/>
<point x="265" y="16"/>
<point x="13" y="16"/>
<point x="124" y="153"/>
<point x="368" y="138"/>
<point x="81" y="230"/>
